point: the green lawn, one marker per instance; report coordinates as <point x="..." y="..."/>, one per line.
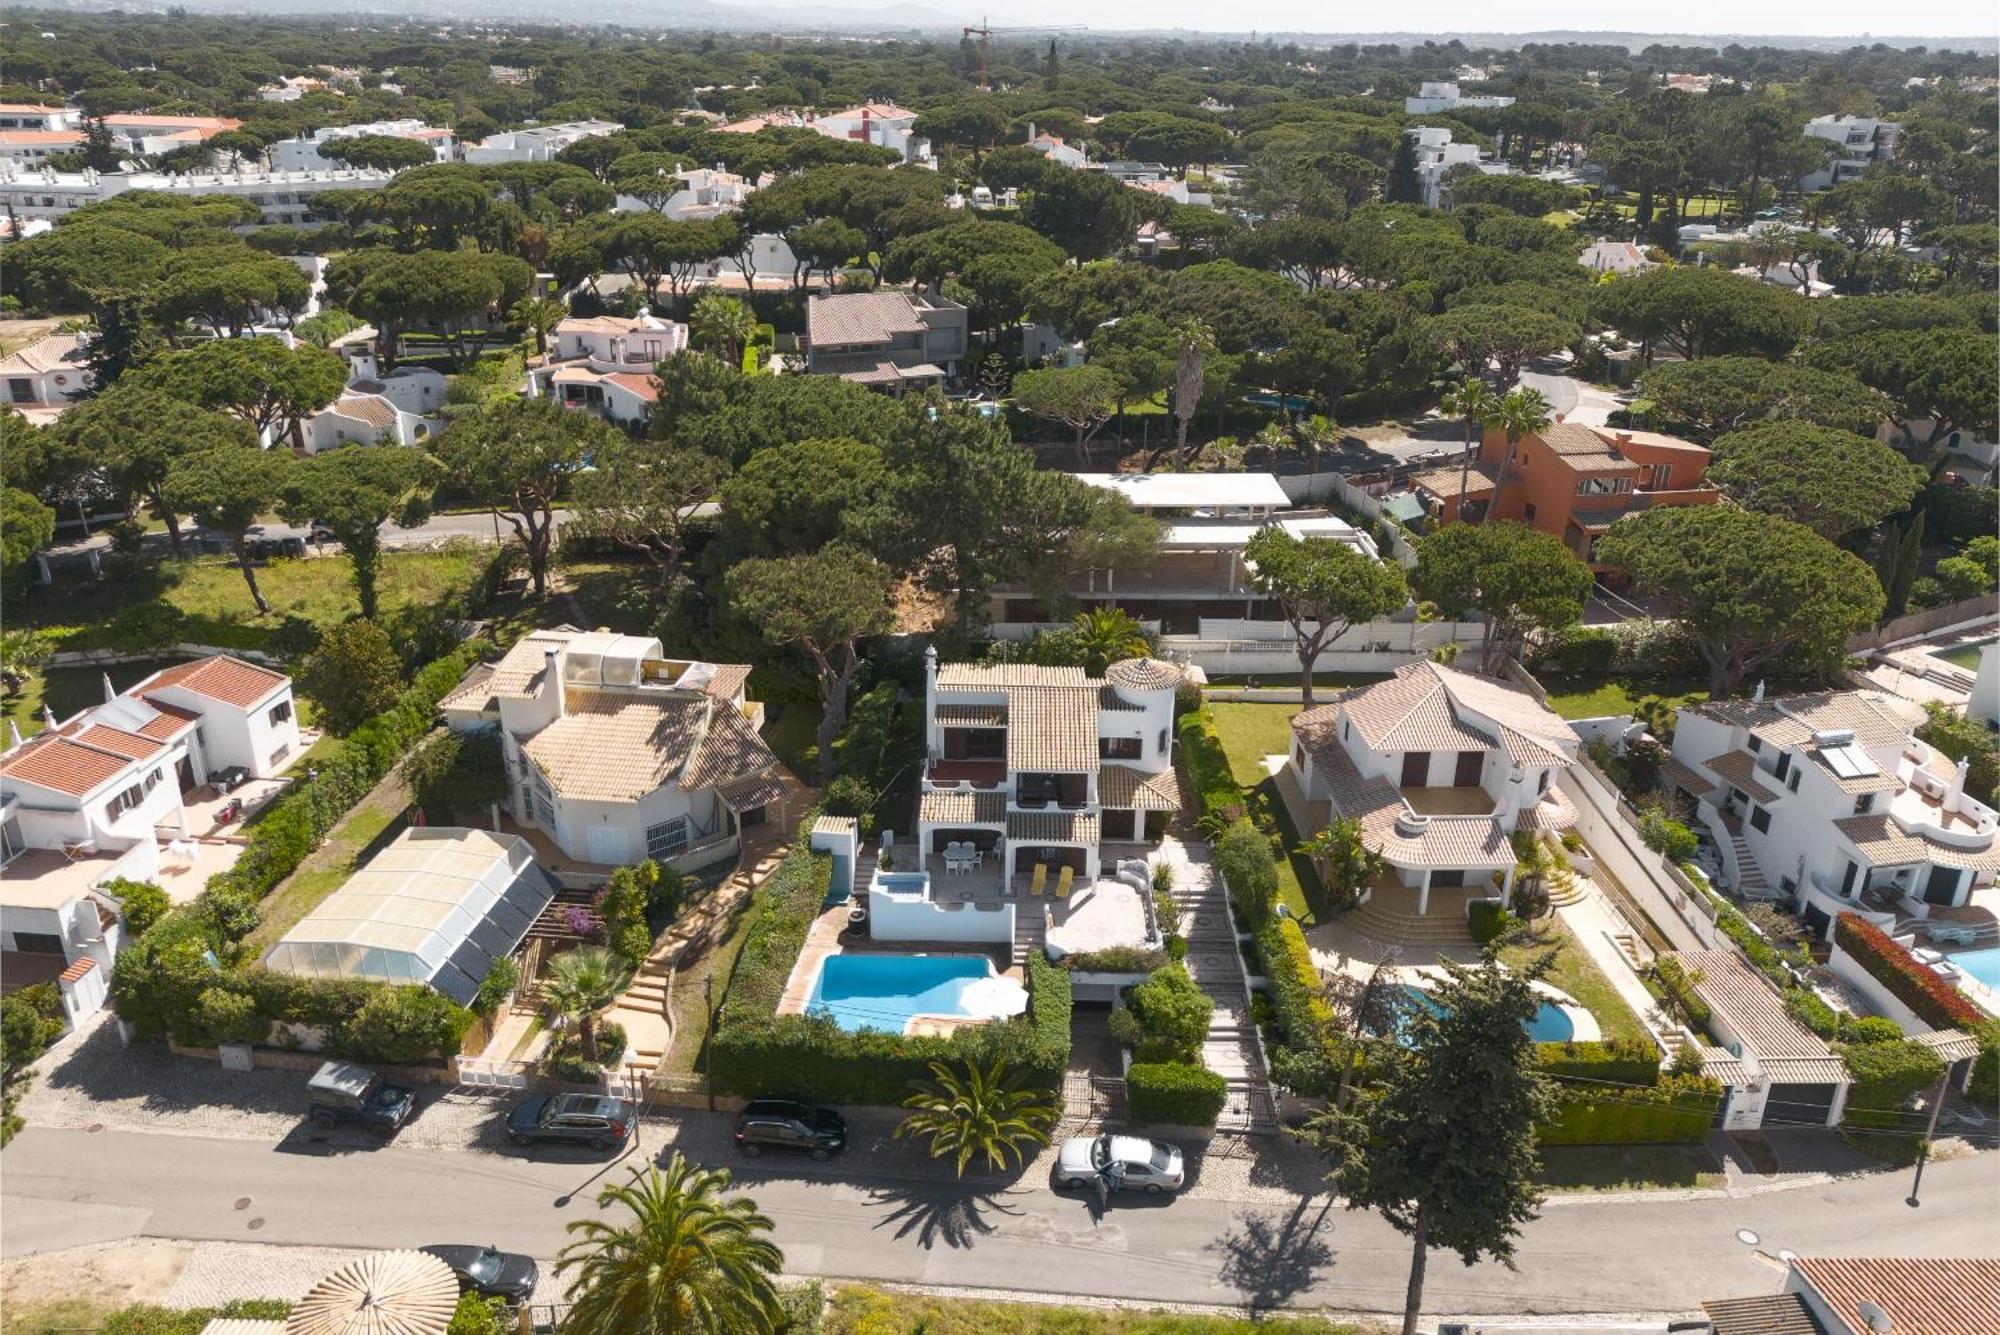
<point x="211" y="594"/>
<point x="858" y="1310"/>
<point x="1322" y="681"/>
<point x="1601" y="698"/>
<point x="66" y="690"/>
<point x="1575" y="973"/>
<point x="1249" y="732"/>
<point x="373" y="822"/>
<point x="1576" y="1168"/>
<point x="793" y="735"/>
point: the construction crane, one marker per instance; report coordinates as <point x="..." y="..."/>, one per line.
<point x="985" y="34"/>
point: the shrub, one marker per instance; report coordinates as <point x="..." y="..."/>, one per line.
<point x="1870" y="1029"/>
<point x="1304" y="1060"/>
<point x="230" y="1017"/>
<point x="1931" y="999"/>
<point x="623" y="905"/>
<point x="1489" y="921"/>
<point x="1886" y="1075"/>
<point x="475" y="1315"/>
<point x="1678" y="1109"/>
<point x="1617" y="1061"/>
<point x="851" y="795"/>
<point x="403" y="1024"/>
<point x="1207" y="766"/>
<point x="1174" y="1094"/>
<point x="143" y="902"/>
<point x="1811" y="1012"/>
<point x="1168" y="1015"/>
<point x="1114" y="959"/>
<point x="353" y="675"/>
<point x="1579" y="650"/>
<point x="1243" y="859"/>
<point x="1665" y="835"/>
<point x="1677" y="992"/>
<point x="497" y="987"/>
<point x="1983" y="1087"/>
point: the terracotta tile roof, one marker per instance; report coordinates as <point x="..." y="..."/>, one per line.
<point x="1052" y="729"/>
<point x="1479" y="480"/>
<point x="10" y="137"/>
<point x="836" y="825"/>
<point x="171" y="723"/>
<point x="1429" y="707"/>
<point x="1739" y="769"/>
<point x="131" y="745"/>
<point x="617" y="746"/>
<point x="1144" y="674"/>
<point x="1108" y="698"/>
<point x="63" y="765"/>
<point x="1122" y="786"/>
<point x="1446" y="842"/>
<point x="1058" y="827"/>
<point x="993" y="676"/>
<point x="1552" y="815"/>
<point x="597" y="324"/>
<point x="1570" y="439"/>
<point x="643" y="387"/>
<point x="728" y="681"/>
<point x="217" y="677"/>
<point x="138" y="121"/>
<point x="759" y="790"/>
<point x="1773" y="1314"/>
<point x="974" y="806"/>
<point x="1951" y="1045"/>
<point x="31" y="108"/>
<point x="1945" y="1295"/>
<point x="1679" y="772"/>
<point x="854" y="319"/>
<point x="373" y="409"/>
<point x="516" y="676"/>
<point x="1886" y="844"/>
<point x="1786" y="1051"/>
<point x="970" y="716"/>
<point x="52" y="353"/>
<point x="729" y="751"/>
<point x="471" y="692"/>
<point x="76" y="971"/>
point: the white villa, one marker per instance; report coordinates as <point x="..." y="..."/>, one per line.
<point x="45" y="377"/>
<point x="1829" y="800"/>
<point x="605" y="364"/>
<point x="1774" y="1071"/>
<point x="1853" y="144"/>
<point x="885" y="340"/>
<point x="1440" y="768"/>
<point x="1433" y="97"/>
<point x="303" y="153"/>
<point x="881" y="124"/>
<point x="619" y="753"/>
<point x="538" y="143"/>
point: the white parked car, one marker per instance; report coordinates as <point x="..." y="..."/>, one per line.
<point x="1151" y="1166"/>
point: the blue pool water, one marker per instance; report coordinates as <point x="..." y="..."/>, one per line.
<point x="1981" y="964"/>
<point x="1550" y="1025"/>
<point x="884" y="991"/>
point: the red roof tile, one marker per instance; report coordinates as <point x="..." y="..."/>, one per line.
<point x="1921" y="1295"/>
<point x="220" y="677"/>
<point x="63" y="765"/>
<point x="75" y="972"/>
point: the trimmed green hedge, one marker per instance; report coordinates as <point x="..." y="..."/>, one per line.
<point x="755" y="1051"/>
<point x="1616" y="1061"/>
<point x="1679" y="1109"/>
<point x="1174" y="1094"/>
<point x="1886" y="1077"/>
<point x="1303" y="1060"/>
<point x="1207" y="766"/>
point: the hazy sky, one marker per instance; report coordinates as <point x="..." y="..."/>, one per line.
<point x="1788" y="17"/>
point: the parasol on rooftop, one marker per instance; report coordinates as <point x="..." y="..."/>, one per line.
<point x="383" y="1293"/>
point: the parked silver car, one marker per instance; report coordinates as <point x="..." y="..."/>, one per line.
<point x="1151" y="1166"/>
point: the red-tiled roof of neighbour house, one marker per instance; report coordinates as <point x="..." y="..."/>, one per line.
<point x="1884" y="843"/>
<point x="77" y="969"/>
<point x="209" y="125"/>
<point x="22" y="138"/>
<point x="218" y="677"/>
<point x="373" y="409"/>
<point x="1058" y="827"/>
<point x="728" y="681"/>
<point x="729" y="751"/>
<point x="1469" y="842"/>
<point x="52" y="353"/>
<point x="617" y="746"/>
<point x="1739" y="769"/>
<point x="29" y="108"/>
<point x="1429" y="707"/>
<point x="131" y="745"/>
<point x="597" y="324"/>
<point x="1772" y="1314"/>
<point x="640" y="386"/>
<point x="1120" y="786"/>
<point x="964" y="806"/>
<point x="1921" y="1295"/>
<point x="855" y="319"/>
<point x="1144" y="674"/>
<point x="1476" y="482"/>
<point x="63" y="764"/>
<point x="171" y="723"/>
<point x="874" y="111"/>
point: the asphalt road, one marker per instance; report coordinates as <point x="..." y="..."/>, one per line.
<point x="1625" y="1254"/>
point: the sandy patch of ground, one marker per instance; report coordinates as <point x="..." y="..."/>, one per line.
<point x="137" y="1270"/>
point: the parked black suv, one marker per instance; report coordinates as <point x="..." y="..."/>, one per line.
<point x="780" y="1124"/>
<point x="570" y="1119"/>
<point x="343" y="1092"/>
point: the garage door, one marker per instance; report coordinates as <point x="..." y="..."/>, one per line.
<point x="607" y="844"/>
<point x="1798" y="1105"/>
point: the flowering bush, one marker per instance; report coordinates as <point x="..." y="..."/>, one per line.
<point x="1933" y="1000"/>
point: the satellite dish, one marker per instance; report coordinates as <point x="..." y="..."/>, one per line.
<point x="1875" y="1316"/>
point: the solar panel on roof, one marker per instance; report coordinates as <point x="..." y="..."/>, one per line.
<point x="1849" y="761"/>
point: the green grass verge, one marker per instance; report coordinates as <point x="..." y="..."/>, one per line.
<point x="210" y="593"/>
<point x="1249" y="732"/>
<point x="1580" y="1168"/>
<point x="857" y="1310"/>
<point x="794" y="737"/>
<point x="1577" y="974"/>
<point x="1322" y="681"/>
<point x="360" y="833"/>
<point x="1618" y="695"/>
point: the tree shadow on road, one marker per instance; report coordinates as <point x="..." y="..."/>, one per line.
<point x="1271" y="1258"/>
<point x="949" y="1213"/>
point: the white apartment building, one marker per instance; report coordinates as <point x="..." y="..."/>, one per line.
<point x="1439" y="768"/>
<point x="35" y="116"/>
<point x="1436" y="155"/>
<point x="604" y="364"/>
<point x="303" y="153"/>
<point x="701" y="193"/>
<point x="538" y="143"/>
<point x="148" y="134"/>
<point x="617" y="752"/>
<point x="1830" y="801"/>
<point x="883" y="124"/>
<point x="283" y="197"/>
<point x="1856" y="143"/>
<point x="1432" y="98"/>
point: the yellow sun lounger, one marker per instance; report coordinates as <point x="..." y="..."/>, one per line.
<point x="1062" y="882"/>
<point x="1040" y="879"/>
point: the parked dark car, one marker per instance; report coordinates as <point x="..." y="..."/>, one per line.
<point x="780" y="1124"/>
<point x="341" y="1092"/>
<point x="490" y="1272"/>
<point x="570" y="1119"/>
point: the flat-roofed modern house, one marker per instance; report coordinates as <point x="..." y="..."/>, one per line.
<point x="438" y="907"/>
<point x="885" y="340"/>
<point x="617" y="752"/>
<point x="1439" y="768"/>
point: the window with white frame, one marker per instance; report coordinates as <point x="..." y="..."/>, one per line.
<point x="280" y="712"/>
<point x="666" y="839"/>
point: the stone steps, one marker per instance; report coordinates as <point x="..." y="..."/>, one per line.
<point x="1387" y="925"/>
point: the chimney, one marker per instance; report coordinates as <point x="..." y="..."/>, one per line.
<point x="1757" y="696"/>
<point x="1031" y="132"/>
<point x="1507" y="811"/>
<point x="109" y="693"/>
<point x="13" y="735"/>
<point x="48" y="718"/>
<point x="1958" y="783"/>
<point x="552" y="674"/>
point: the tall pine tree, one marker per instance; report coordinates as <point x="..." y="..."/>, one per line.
<point x="1401" y="186"/>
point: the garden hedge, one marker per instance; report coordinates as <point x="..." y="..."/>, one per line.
<point x="1303" y="1059"/>
<point x="1886" y="1076"/>
<point x="1929" y="997"/>
<point x="1617" y="1061"/>
<point x="1250" y="873"/>
<point x="1207" y="766"/>
<point x="755" y="1051"/>
<point x="1488" y="921"/>
<point x="1174" y="1094"/>
<point x="1679" y="1109"/>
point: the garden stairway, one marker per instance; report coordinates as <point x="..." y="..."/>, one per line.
<point x="1214" y="962"/>
<point x="1031" y="932"/>
<point x="1377" y="921"/>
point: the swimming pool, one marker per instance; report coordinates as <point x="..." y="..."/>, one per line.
<point x="1964" y="655"/>
<point x="1551" y="1024"/>
<point x="1983" y="965"/>
<point x="884" y="991"/>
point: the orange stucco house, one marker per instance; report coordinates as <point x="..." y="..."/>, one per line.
<point x="1572" y="481"/>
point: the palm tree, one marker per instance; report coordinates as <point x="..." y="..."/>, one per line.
<point x="538" y="315"/>
<point x="1106" y="635"/>
<point x="1193" y="342"/>
<point x="1368" y="1009"/>
<point x="979" y="1110"/>
<point x="722" y="322"/>
<point x="686" y="1263"/>
<point x="1474" y="400"/>
<point x="1520" y="412"/>
<point x="1345" y="863"/>
<point x="581" y="983"/>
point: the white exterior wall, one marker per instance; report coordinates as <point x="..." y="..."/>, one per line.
<point x="1149" y="725"/>
<point x="231" y="736"/>
<point x="1984" y="703"/>
<point x="902" y="911"/>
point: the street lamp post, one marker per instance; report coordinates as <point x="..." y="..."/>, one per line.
<point x="1930" y="1132"/>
